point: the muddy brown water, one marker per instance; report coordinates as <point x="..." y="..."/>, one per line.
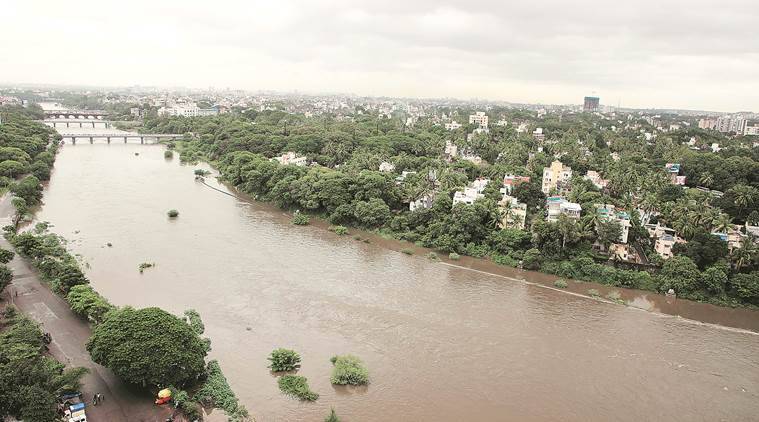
<point x="443" y="342"/>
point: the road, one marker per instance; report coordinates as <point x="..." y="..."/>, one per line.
<point x="69" y="336"/>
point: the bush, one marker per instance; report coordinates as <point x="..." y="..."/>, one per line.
<point x="341" y="230"/>
<point x="432" y="256"/>
<point x="300" y="219"/>
<point x="216" y="391"/>
<point x="407" y="251"/>
<point x="560" y="284"/>
<point x="168" y="154"/>
<point x="283" y="360"/>
<point x="297" y="387"/>
<point x="454" y="256"/>
<point x="531" y="260"/>
<point x="593" y="293"/>
<point x="173" y="213"/>
<point x="615" y="296"/>
<point x="332" y="416"/>
<point x="201" y="172"/>
<point x="6" y="256"/>
<point x="349" y="370"/>
<point x="505" y="260"/>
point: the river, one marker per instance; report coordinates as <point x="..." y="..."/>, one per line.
<point x="442" y="343"/>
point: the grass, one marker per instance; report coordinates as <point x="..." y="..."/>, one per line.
<point x="349" y="370"/>
<point x="615" y="296"/>
<point x="454" y="256"/>
<point x="297" y="387"/>
<point x="593" y="293"/>
<point x="560" y="284"/>
<point x="432" y="256"/>
<point x="407" y="251"/>
<point x="356" y="237"/>
<point x="332" y="417"/>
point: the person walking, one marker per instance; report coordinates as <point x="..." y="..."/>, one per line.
<point x="95" y="399"/>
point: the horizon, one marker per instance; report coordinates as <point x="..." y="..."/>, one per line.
<point x="641" y="56"/>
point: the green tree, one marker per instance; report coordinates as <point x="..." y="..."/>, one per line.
<point x="349" y="370"/>
<point x="746" y="287"/>
<point x="87" y="303"/>
<point x="283" y="360"/>
<point x="681" y="274"/>
<point x="6" y="256"/>
<point x="531" y="259"/>
<point x="148" y="346"/>
<point x="609" y="231"/>
<point x="372" y="213"/>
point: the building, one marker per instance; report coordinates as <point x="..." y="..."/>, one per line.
<point x="591" y="104"/>
<point x="291" y="158"/>
<point x="538" y="134"/>
<point x="452" y="126"/>
<point x="595" y="178"/>
<point x="751" y="130"/>
<point x="424" y="202"/>
<point x="510" y="181"/>
<point x="608" y="212"/>
<point x="188" y="110"/>
<point x="708" y="123"/>
<point x="386" y="167"/>
<point x="665" y="237"/>
<point x="451" y="150"/>
<point x="727" y="124"/>
<point x="479" y="118"/>
<point x="556" y="177"/>
<point x="673" y="169"/>
<point x="557" y="206"/>
<point x="471" y="193"/>
<point x="514" y="213"/>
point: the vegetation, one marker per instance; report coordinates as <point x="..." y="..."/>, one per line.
<point x="6" y="256"/>
<point x="407" y="251"/>
<point x="168" y="154"/>
<point x="300" y="219"/>
<point x="454" y="256"/>
<point x="172" y="213"/>
<point x="88" y="303"/>
<point x="201" y="172"/>
<point x="216" y="391"/>
<point x="348" y="370"/>
<point x="341" y="230"/>
<point x="593" y="293"/>
<point x="560" y="284"/>
<point x="432" y="256"/>
<point x="284" y="360"/>
<point x="30" y="382"/>
<point x="332" y="417"/>
<point x="148" y="347"/>
<point x="297" y="387"/>
<point x="145" y="265"/>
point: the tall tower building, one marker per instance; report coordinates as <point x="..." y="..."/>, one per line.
<point x="590" y="104"/>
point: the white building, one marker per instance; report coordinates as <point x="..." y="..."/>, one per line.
<point x="451" y="150"/>
<point x="452" y="126"/>
<point x="471" y="193"/>
<point x="731" y="124"/>
<point x="538" y="134"/>
<point x="479" y="118"/>
<point x="751" y="130"/>
<point x="556" y="177"/>
<point x="291" y="158"/>
<point x="425" y="202"/>
<point x="386" y="167"/>
<point x="557" y="206"/>
<point x="187" y="110"/>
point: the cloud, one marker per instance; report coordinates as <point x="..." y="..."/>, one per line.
<point x="647" y="53"/>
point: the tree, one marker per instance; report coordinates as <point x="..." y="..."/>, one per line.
<point x="372" y="213"/>
<point x="609" y="231"/>
<point x="531" y="259"/>
<point x="148" y="346"/>
<point x="714" y="280"/>
<point x="704" y="249"/>
<point x="87" y="303"/>
<point x="530" y="193"/>
<point x="283" y="360"/>
<point x="349" y="370"/>
<point x="10" y="168"/>
<point x="507" y="240"/>
<point x="6" y="275"/>
<point x="69" y="276"/>
<point x="681" y="274"/>
<point x="746" y="286"/>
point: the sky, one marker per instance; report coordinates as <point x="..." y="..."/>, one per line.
<point x="636" y="53"/>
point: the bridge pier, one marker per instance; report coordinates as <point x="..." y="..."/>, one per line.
<point x="67" y="124"/>
<point x="91" y="140"/>
<point x="108" y="139"/>
<point x="73" y="140"/>
<point x="125" y="139"/>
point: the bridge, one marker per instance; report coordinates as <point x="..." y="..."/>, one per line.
<point x="77" y="123"/>
<point x="75" y="114"/>
<point x="143" y="137"/>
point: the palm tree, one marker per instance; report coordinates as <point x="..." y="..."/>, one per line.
<point x="722" y="222"/>
<point x="744" y="196"/>
<point x="706" y="179"/>
<point x="745" y="254"/>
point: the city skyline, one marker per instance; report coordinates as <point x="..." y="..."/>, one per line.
<point x="645" y="55"/>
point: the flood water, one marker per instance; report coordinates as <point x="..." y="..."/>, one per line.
<point x="441" y="343"/>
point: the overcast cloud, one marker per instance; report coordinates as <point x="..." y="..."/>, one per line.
<point x="638" y="53"/>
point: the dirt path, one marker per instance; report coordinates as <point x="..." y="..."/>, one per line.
<point x="70" y="334"/>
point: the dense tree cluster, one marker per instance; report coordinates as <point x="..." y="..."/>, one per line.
<point x="30" y="381"/>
